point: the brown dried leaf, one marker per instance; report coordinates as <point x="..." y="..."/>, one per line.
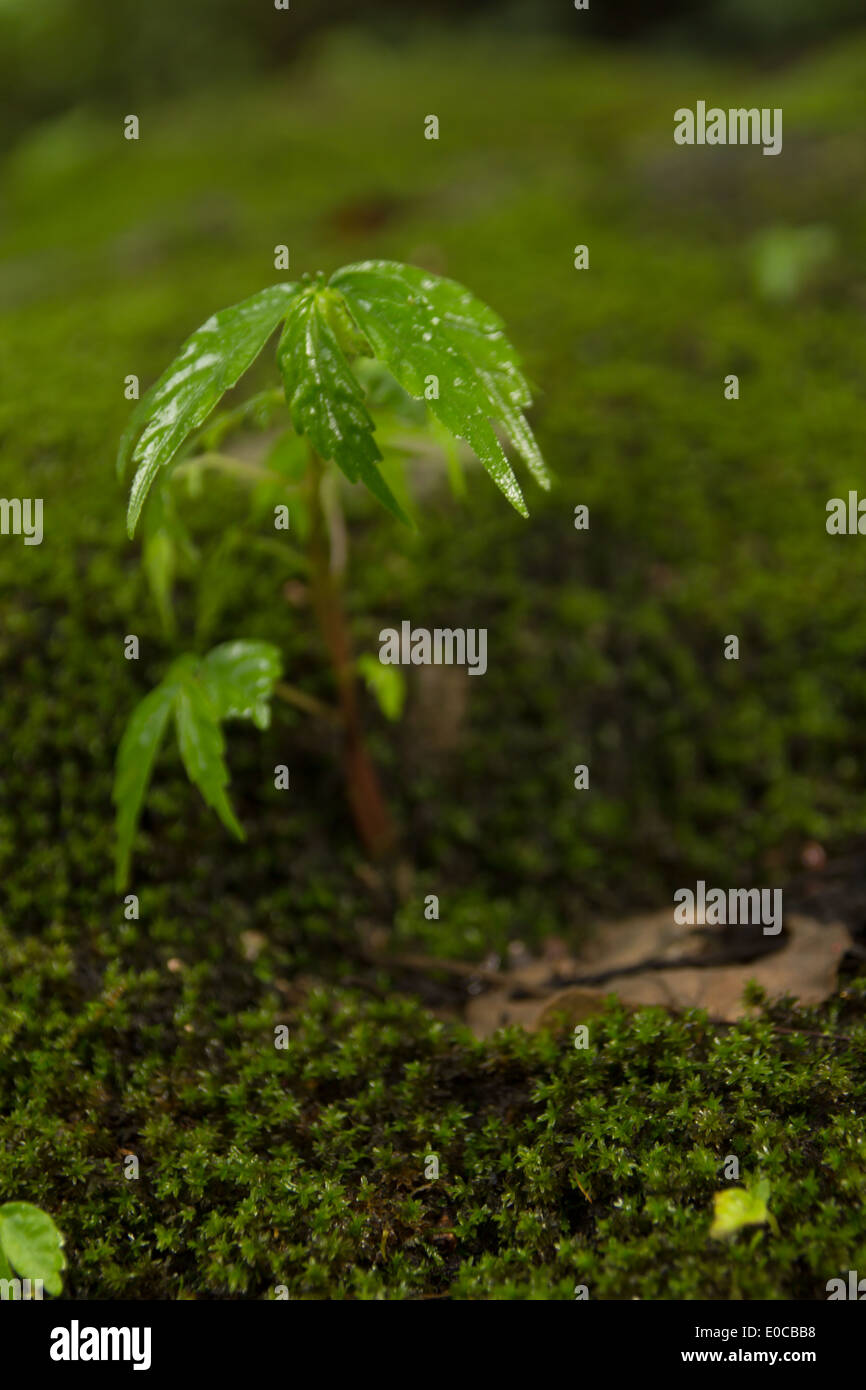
<point x="805" y="967"/>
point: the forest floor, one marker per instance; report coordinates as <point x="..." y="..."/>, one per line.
<point x="307" y="1167"/>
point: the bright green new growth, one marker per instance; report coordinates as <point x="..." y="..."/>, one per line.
<point x="738" y="1207"/>
<point x="31" y="1245"/>
<point x="234" y="681"/>
<point x="439" y="342"/>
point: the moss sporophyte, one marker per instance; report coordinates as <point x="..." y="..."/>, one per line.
<point x="378" y="337"/>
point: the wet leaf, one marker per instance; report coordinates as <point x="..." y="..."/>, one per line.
<point x="210" y="362"/>
<point x="136" y="756"/>
<point x="234" y="681"/>
<point x="426" y="329"/>
<point x="324" y="397"/>
<point x="240" y="679"/>
<point x="202" y="749"/>
<point x="806" y="967"/>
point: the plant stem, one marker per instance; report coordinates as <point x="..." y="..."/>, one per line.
<point x="301" y="700"/>
<point x="369" y="810"/>
<point x="225" y="463"/>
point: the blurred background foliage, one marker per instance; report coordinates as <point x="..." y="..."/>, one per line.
<point x="62" y="53"/>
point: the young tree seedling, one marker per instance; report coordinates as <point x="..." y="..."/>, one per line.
<point x="341" y="343"/>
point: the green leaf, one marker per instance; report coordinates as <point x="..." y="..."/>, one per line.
<point x="386" y="683"/>
<point x="386" y="394"/>
<point x="217" y="580"/>
<point x="239" y="678"/>
<point x="164" y="540"/>
<point x="208" y="364"/>
<point x="140" y="412"/>
<point x="158" y="558"/>
<point x="422" y="326"/>
<point x="257" y="412"/>
<point x="202" y="748"/>
<point x="324" y="398"/>
<point x="135" y="759"/>
<point x="285" y="467"/>
<point x="393" y="470"/>
<point x="32" y="1244"/>
<point x="480" y="334"/>
<point x="453" y="461"/>
<point x="738" y="1207"/>
<point x="234" y="681"/>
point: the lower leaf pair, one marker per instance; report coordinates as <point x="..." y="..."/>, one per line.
<point x="234" y="681"/>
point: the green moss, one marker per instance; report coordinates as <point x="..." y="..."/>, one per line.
<point x="306" y="1166"/>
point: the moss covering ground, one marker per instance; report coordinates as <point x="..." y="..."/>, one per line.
<point x="305" y="1167"/>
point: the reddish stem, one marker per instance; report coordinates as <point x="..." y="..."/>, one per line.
<point x="367" y="803"/>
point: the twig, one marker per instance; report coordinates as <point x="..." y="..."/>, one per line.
<point x="430" y="963"/>
<point x="309" y="703"/>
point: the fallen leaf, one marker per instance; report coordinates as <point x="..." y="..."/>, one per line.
<point x="535" y="994"/>
<point x="805" y="967"/>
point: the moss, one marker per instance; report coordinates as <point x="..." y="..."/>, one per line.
<point x="306" y="1166"/>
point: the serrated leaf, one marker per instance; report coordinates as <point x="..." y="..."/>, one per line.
<point x="324" y="398"/>
<point x="421" y="326"/>
<point x="32" y="1244"/>
<point x="738" y="1207"/>
<point x="481" y="336"/>
<point x="210" y="362"/>
<point x="240" y="677"/>
<point x="393" y="470"/>
<point x="202" y="748"/>
<point x="140" y="412"/>
<point x="235" y="680"/>
<point x="135" y="759"/>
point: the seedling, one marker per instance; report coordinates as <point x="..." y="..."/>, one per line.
<point x="377" y="336"/>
